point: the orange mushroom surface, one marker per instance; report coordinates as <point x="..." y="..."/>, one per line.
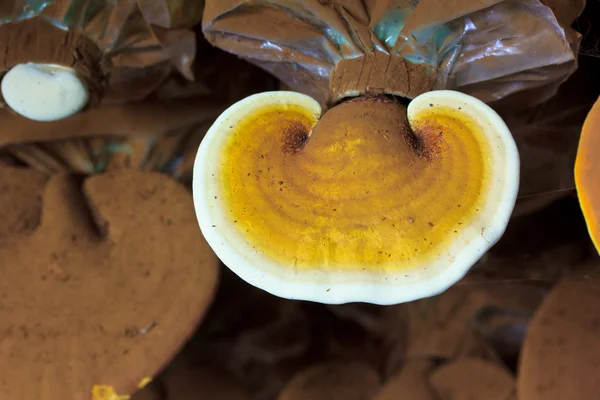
<point x="587" y="172"/>
<point x="372" y="201"/>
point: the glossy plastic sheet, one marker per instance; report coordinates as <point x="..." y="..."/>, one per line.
<point x="492" y="49"/>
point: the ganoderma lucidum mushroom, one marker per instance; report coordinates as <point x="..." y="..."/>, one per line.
<point x="587" y="171"/>
<point x="88" y="315"/>
<point x="371" y="202"/>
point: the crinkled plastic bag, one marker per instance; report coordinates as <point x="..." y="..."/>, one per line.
<point x="152" y="35"/>
<point x="513" y="51"/>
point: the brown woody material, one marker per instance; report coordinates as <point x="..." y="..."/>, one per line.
<point x="411" y="383"/>
<point x="80" y="309"/>
<point x="336" y="49"/>
<point x="472" y="378"/>
<point x="332" y="381"/>
<point x="560" y="355"/>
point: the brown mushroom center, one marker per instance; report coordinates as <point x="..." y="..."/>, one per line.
<point x="361" y="191"/>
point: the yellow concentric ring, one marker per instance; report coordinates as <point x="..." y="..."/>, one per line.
<point x="361" y="192"/>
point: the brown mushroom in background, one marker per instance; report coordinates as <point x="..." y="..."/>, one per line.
<point x="411" y="383"/>
<point x="587" y="171"/>
<point x="333" y="381"/>
<point x="560" y="358"/>
<point x="472" y="378"/>
<point x="98" y="296"/>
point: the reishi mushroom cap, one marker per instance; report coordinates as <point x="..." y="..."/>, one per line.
<point x="370" y="202"/>
<point x="587" y="172"/>
<point x="89" y="316"/>
<point x="560" y="354"/>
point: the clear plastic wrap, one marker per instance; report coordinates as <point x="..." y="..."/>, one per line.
<point x="492" y="49"/>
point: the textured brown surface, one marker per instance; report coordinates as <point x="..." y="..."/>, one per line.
<point x="443" y="326"/>
<point x="411" y="383"/>
<point x="561" y="353"/>
<point x="472" y="379"/>
<point x="332" y="381"/>
<point x="78" y="308"/>
<point x="20" y="202"/>
<point x="380" y="74"/>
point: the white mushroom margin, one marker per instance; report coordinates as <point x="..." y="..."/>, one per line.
<point x="331" y="287"/>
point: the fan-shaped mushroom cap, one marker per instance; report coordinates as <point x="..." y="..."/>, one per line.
<point x="587" y="172"/>
<point x="371" y="202"/>
<point x="83" y="315"/>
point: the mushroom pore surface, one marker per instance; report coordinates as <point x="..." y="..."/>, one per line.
<point x="357" y="191"/>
